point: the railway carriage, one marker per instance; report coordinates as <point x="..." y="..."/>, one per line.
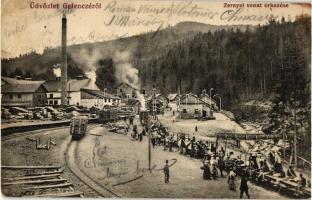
<point x="78" y="127"/>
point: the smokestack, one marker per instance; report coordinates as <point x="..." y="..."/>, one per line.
<point x="64" y="62"/>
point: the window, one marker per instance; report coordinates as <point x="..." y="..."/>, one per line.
<point x="50" y="102"/>
<point x="196" y="111"/>
<point x="11" y="96"/>
<point x="109" y="100"/>
<point x="120" y="90"/>
<point x="55" y="102"/>
<point x="51" y="96"/>
<point x="105" y="100"/>
<point x="19" y="96"/>
<point x="184" y="110"/>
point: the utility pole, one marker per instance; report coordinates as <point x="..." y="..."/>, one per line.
<point x="210" y="96"/>
<point x="149" y="125"/>
<point x="179" y="99"/>
<point x="154" y="103"/>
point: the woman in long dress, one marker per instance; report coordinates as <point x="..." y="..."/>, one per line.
<point x="206" y="168"/>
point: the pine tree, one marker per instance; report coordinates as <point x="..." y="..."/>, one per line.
<point x="291" y="107"/>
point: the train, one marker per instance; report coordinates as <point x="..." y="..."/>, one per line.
<point x="114" y="114"/>
<point x="78" y="127"/>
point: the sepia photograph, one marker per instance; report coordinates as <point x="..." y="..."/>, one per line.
<point x="156" y="99"/>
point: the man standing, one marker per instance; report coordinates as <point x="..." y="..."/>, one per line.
<point x="166" y="172"/>
<point x="244" y="186"/>
<point x="221" y="166"/>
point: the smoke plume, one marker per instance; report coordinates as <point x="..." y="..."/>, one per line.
<point x="57" y="70"/>
<point x="87" y="60"/>
<point x="92" y="76"/>
<point x="126" y="73"/>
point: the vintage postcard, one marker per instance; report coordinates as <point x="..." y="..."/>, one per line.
<point x="156" y="99"/>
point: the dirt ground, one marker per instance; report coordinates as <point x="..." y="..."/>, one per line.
<point x="120" y="163"/>
<point x="205" y="128"/>
<point x="21" y="151"/>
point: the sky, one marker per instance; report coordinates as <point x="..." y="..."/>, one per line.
<point x="24" y="29"/>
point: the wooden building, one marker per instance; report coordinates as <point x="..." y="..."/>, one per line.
<point x="191" y="106"/>
<point x="125" y="91"/>
<point x="158" y="102"/>
<point x="24" y="95"/>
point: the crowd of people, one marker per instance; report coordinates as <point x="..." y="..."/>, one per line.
<point x="217" y="161"/>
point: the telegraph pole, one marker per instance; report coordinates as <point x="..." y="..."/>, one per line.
<point x="210" y="96"/>
<point x="149" y="124"/>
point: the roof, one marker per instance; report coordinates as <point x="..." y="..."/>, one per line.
<point x="13" y="81"/>
<point x="20" y="88"/>
<point x="191" y="98"/>
<point x="157" y="96"/>
<point x="171" y="97"/>
<point x="72" y="85"/>
<point x="133" y="102"/>
<point x="127" y="84"/>
<point x="97" y="94"/>
<point x="207" y="96"/>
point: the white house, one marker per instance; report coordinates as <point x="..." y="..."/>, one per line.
<point x="191" y="106"/>
<point x="81" y="92"/>
<point x="172" y="101"/>
<point x="74" y="87"/>
<point x="97" y="98"/>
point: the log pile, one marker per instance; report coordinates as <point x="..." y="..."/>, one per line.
<point x="40" y="181"/>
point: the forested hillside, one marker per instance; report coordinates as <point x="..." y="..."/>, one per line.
<point x="269" y="64"/>
<point x="91" y="56"/>
<point x="237" y="64"/>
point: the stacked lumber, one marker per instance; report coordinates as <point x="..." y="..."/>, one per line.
<point x="43" y="181"/>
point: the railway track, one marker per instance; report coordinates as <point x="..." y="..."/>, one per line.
<point x="70" y="159"/>
<point x="73" y="164"/>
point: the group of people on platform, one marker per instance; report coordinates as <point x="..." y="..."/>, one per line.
<point x="215" y="162"/>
